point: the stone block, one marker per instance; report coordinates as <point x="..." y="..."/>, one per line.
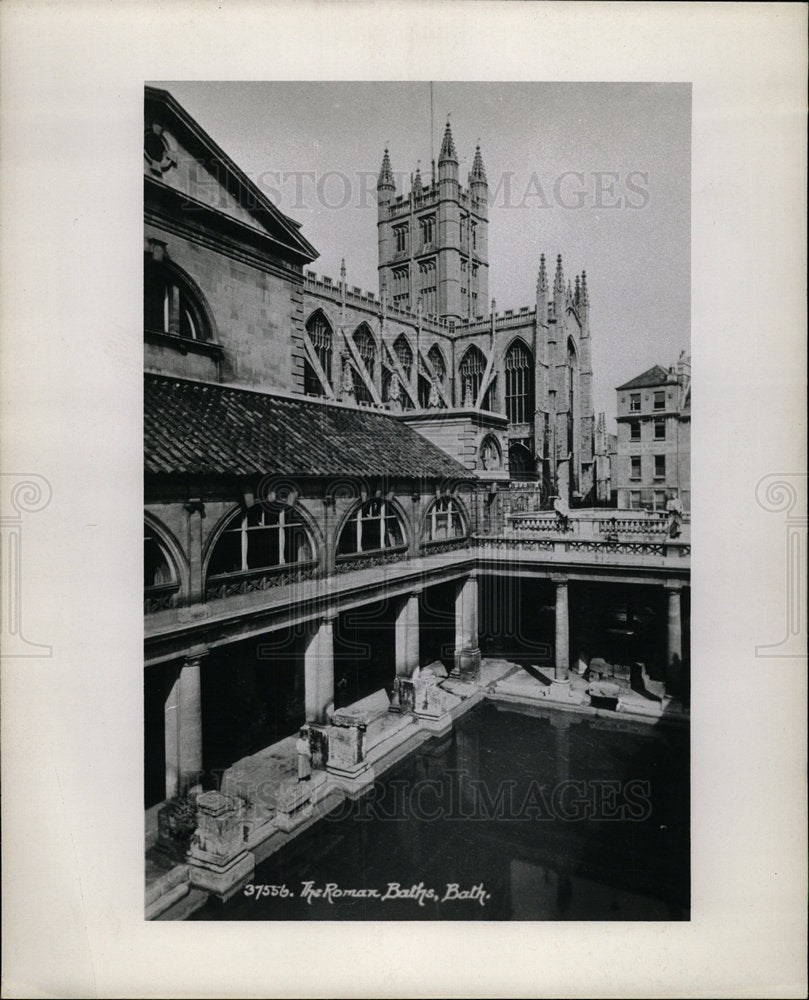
<point x="222" y="881"/>
<point x="220" y="828"/>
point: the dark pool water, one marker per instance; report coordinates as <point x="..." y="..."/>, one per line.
<point x="534" y="815"/>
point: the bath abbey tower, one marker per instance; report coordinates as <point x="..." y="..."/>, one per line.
<point x="514" y="388"/>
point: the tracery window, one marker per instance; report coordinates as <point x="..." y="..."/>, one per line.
<point x="436" y="359"/>
<point x="404" y="353"/>
<point x="372" y="527"/>
<point x="320" y="335"/>
<point x="366" y="346"/>
<point x="472" y="369"/>
<point x="519" y="373"/>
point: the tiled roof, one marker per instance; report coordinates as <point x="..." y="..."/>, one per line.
<point x="656" y="375"/>
<point x="197" y="428"/>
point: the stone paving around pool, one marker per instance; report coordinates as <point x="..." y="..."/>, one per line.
<point x="261" y="804"/>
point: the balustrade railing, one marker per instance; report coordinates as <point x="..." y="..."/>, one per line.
<point x="227" y="585"/>
<point x="599" y="549"/>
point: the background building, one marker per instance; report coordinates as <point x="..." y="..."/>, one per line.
<point x="653" y="462"/>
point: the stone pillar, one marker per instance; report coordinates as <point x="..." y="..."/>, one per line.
<point x="319" y="670"/>
<point x="674" y="647"/>
<point x="412" y="632"/>
<point x="562" y="646"/>
<point x="183" y="727"/>
<point x="467" y="651"/>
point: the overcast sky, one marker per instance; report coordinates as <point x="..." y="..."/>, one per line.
<point x="597" y="172"/>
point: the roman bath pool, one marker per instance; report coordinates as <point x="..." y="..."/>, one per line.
<point x="517" y="814"/>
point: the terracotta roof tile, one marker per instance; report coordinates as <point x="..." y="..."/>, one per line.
<point x="199" y="428"/>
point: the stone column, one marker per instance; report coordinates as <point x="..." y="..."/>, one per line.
<point x="467" y="651"/>
<point x="562" y="646"/>
<point x="183" y="727"/>
<point x="319" y="670"/>
<point x="413" y="625"/>
<point x="674" y="648"/>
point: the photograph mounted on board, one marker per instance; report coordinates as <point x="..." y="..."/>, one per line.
<point x="417" y="521"/>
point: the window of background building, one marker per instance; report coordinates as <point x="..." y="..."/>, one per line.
<point x="660" y="400"/>
<point x="436" y="359"/>
<point x="400" y="235"/>
<point x="427" y="229"/>
<point x="372" y="527"/>
<point x="634" y="402"/>
<point x="660" y="430"/>
<point x="634" y="430"/>
<point x="660" y="466"/>
<point x="404" y="353"/>
<point x="634" y="499"/>
<point x="519" y="375"/>
<point x="444" y="520"/>
<point x="660" y="499"/>
<point x="427" y="281"/>
<point x="472" y="369"/>
<point x="320" y="336"/>
<point x="634" y="467"/>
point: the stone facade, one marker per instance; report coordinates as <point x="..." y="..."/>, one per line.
<point x="653" y="460"/>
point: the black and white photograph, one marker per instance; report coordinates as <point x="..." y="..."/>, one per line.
<point x="372" y="623"/>
<point x="417" y="525"/>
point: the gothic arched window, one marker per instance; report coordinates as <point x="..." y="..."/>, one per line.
<point x="471" y="370"/>
<point x="404" y="353"/>
<point x="444" y="520"/>
<point x="366" y="345"/>
<point x="320" y="336"/>
<point x="171" y="305"/>
<point x="436" y="359"/>
<point x="160" y="580"/>
<point x="519" y="376"/>
<point x="372" y="527"/>
<point x="572" y="388"/>
<point x="265" y="536"/>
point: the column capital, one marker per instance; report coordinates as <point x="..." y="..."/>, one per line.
<point x="415" y="591"/>
<point x="195" y="655"/>
<point x="673" y="585"/>
<point x="560" y="579"/>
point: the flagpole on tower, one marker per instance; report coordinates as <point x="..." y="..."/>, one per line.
<point x="432" y="134"/>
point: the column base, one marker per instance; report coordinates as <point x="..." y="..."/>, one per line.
<point x="562" y="692"/>
<point x="467" y="664"/>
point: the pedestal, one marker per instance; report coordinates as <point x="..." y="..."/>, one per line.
<point x="217" y="860"/>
